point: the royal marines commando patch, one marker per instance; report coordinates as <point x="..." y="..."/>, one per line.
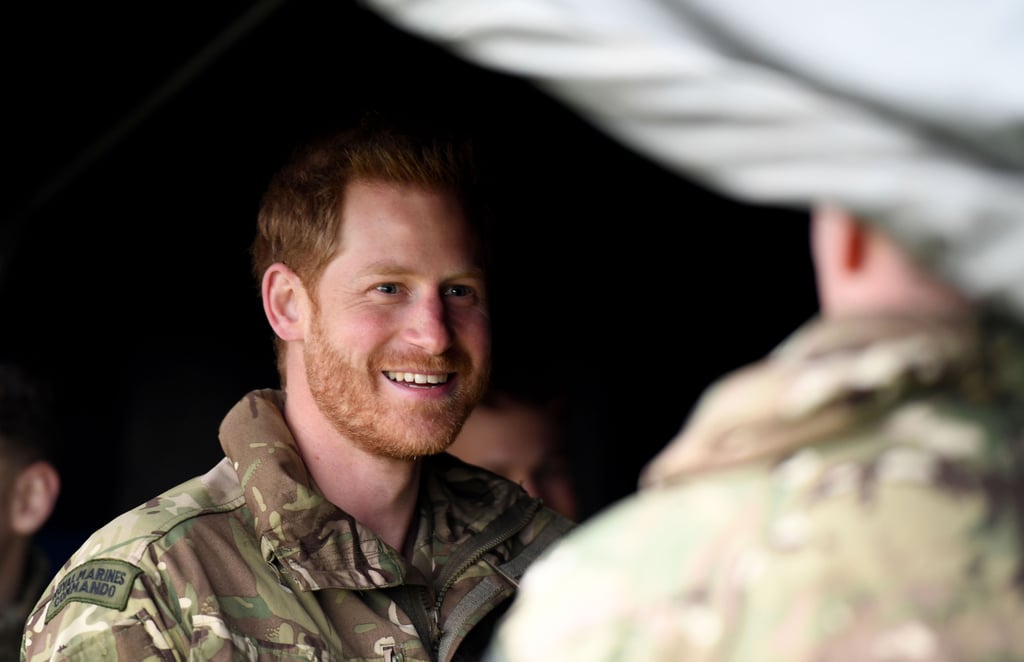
<point x="104" y="582"/>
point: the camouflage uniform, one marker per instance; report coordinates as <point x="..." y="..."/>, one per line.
<point x="251" y="562"/>
<point x="856" y="496"/>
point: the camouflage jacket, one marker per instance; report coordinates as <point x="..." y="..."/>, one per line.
<point x="855" y="497"/>
<point x="251" y="562"/>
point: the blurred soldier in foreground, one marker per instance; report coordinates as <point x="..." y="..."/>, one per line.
<point x="29" y="487"/>
<point x="854" y="496"/>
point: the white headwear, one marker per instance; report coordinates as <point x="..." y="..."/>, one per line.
<point x="909" y="113"/>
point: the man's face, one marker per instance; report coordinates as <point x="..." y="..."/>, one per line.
<point x="398" y="351"/>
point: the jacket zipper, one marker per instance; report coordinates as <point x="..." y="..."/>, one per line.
<point x="495" y="540"/>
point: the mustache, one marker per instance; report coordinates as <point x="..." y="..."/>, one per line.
<point x="453" y="360"/>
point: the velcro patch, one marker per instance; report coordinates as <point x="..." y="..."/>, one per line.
<point x="104" y="582"/>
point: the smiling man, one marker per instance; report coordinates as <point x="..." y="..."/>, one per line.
<point x="336" y="527"/>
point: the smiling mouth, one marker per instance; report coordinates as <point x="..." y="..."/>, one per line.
<point x="415" y="377"/>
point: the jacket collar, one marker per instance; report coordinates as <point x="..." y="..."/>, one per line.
<point x="824" y="378"/>
<point x="322" y="546"/>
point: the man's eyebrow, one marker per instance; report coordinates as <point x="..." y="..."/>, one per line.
<point x="383" y="268"/>
<point x="473" y="272"/>
<point x="392" y="268"/>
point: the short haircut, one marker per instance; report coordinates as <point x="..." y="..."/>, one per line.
<point x="28" y="429"/>
<point x="299" y="218"/>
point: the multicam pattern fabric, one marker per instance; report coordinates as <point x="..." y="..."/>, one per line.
<point x="857" y="497"/>
<point x="251" y="562"/>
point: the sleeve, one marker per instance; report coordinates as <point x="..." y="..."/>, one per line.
<point x="104" y="608"/>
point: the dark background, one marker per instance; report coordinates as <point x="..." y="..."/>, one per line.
<point x="138" y="139"/>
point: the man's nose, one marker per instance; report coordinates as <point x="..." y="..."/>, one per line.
<point x="428" y="325"/>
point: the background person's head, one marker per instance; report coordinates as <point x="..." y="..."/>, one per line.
<point x="29" y="481"/>
<point x="521" y="439"/>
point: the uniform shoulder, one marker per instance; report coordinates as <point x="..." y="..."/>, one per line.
<point x="127" y="536"/>
<point x="105" y="571"/>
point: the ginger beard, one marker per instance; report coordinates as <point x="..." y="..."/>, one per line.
<point x="349" y="397"/>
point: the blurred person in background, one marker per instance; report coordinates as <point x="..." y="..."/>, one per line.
<point x="29" y="488"/>
<point x="521" y="438"/>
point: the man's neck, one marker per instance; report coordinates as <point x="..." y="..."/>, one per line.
<point x="380" y="493"/>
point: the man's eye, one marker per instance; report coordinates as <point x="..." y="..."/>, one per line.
<point x="388" y="288"/>
<point x="458" y="291"/>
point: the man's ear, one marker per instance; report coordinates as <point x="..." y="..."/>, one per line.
<point x="855" y="245"/>
<point x="34" y="496"/>
<point x="840" y="235"/>
<point x="284" y="301"/>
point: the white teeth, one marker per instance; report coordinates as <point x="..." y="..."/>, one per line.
<point x="415" y="377"/>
